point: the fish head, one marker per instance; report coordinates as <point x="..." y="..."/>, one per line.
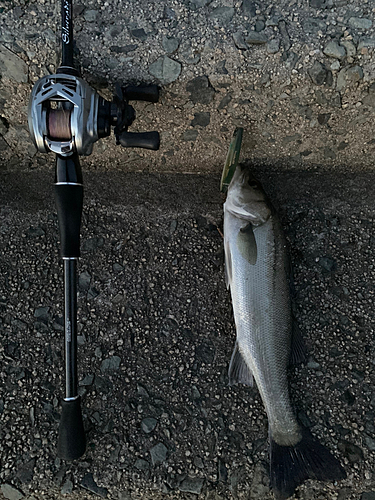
<point x="246" y="198"/>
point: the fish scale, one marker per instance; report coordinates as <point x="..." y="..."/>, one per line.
<point x="261" y="308"/>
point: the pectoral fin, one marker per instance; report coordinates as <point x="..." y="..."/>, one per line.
<point x="239" y="372"/>
<point x="247" y="244"/>
<point x="228" y="264"/>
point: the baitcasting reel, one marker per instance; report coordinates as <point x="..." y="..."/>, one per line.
<point x="66" y="115"/>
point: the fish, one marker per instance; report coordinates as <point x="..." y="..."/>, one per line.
<point x="257" y="272"/>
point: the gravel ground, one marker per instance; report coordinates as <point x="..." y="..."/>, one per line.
<point x="298" y="75"/>
<point x="156" y="333"/>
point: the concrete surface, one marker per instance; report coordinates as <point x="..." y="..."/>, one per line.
<point x="297" y="75"/>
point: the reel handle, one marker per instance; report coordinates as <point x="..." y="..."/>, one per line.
<point x="145" y="140"/>
<point x="148" y="93"/>
<point x="72" y="439"/>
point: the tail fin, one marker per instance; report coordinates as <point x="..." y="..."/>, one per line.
<point x="292" y="465"/>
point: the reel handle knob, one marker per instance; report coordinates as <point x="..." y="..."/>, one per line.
<point x="149" y="93"/>
<point x="72" y="438"/>
<point x="145" y="140"/>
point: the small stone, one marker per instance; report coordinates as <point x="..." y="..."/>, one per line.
<point x="84" y="280"/>
<point x="192" y="485"/>
<point x="88" y="380"/>
<point x="323" y="118"/>
<point x="198" y="462"/>
<point x="360" y="23"/>
<point x="273" y="46"/>
<point x="349" y="47"/>
<point x="370" y="443"/>
<point x="369" y="100"/>
<point x="200" y="90"/>
<point x="255" y="38"/>
<point x="111" y="363"/>
<point x="165" y="69"/>
<point x="259" y="26"/>
<point x="35" y="232"/>
<point x="352" y="451"/>
<point x="333" y="49"/>
<point x="78" y="9"/>
<point x="92" y="293"/>
<point x="239" y="40"/>
<point x="313" y="365"/>
<point x="223" y="15"/>
<point x="170" y="45"/>
<point x="91" y="15"/>
<point x="354" y="74"/>
<point x="141" y="464"/>
<point x="318" y="73"/>
<point x="67" y="487"/>
<point x="158" y="453"/>
<point x="25" y="472"/>
<point x="10" y="492"/>
<point x="190" y="135"/>
<point x="148" y="424"/>
<point x="4" y="126"/>
<point x="124" y="49"/>
<point x="140" y="34"/>
<point x="224" y="102"/>
<point x="366" y="43"/>
<point x="92" y="244"/>
<point x="327" y="263"/>
<point x="335" y="66"/>
<point x="117" y="267"/>
<point x="201" y="119"/>
<point x="41" y="313"/>
<point x="3" y="144"/>
<point x="222" y="472"/>
<point x="188" y="55"/>
<point x="259" y="486"/>
<point x="89" y="484"/>
<point x="249" y="8"/>
<point x="348" y="397"/>
<point x="12" y="66"/>
<point x="169" y="13"/>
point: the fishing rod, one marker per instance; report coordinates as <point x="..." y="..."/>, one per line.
<point x="67" y="116"/>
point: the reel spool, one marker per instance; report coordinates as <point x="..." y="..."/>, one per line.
<point x="58" y="124"/>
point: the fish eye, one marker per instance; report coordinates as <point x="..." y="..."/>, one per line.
<point x="253" y="184"/>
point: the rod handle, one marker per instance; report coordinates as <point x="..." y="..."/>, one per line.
<point x="69" y="202"/>
<point x="72" y="438"/>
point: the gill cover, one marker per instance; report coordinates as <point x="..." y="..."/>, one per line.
<point x="246" y="198"/>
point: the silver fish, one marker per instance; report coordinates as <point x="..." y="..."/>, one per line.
<point x="257" y="266"/>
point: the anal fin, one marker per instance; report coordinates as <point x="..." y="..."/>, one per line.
<point x="298" y="353"/>
<point x="239" y="372"/>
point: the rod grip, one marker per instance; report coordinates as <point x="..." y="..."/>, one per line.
<point x="72" y="438"/>
<point x="69" y="202"/>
